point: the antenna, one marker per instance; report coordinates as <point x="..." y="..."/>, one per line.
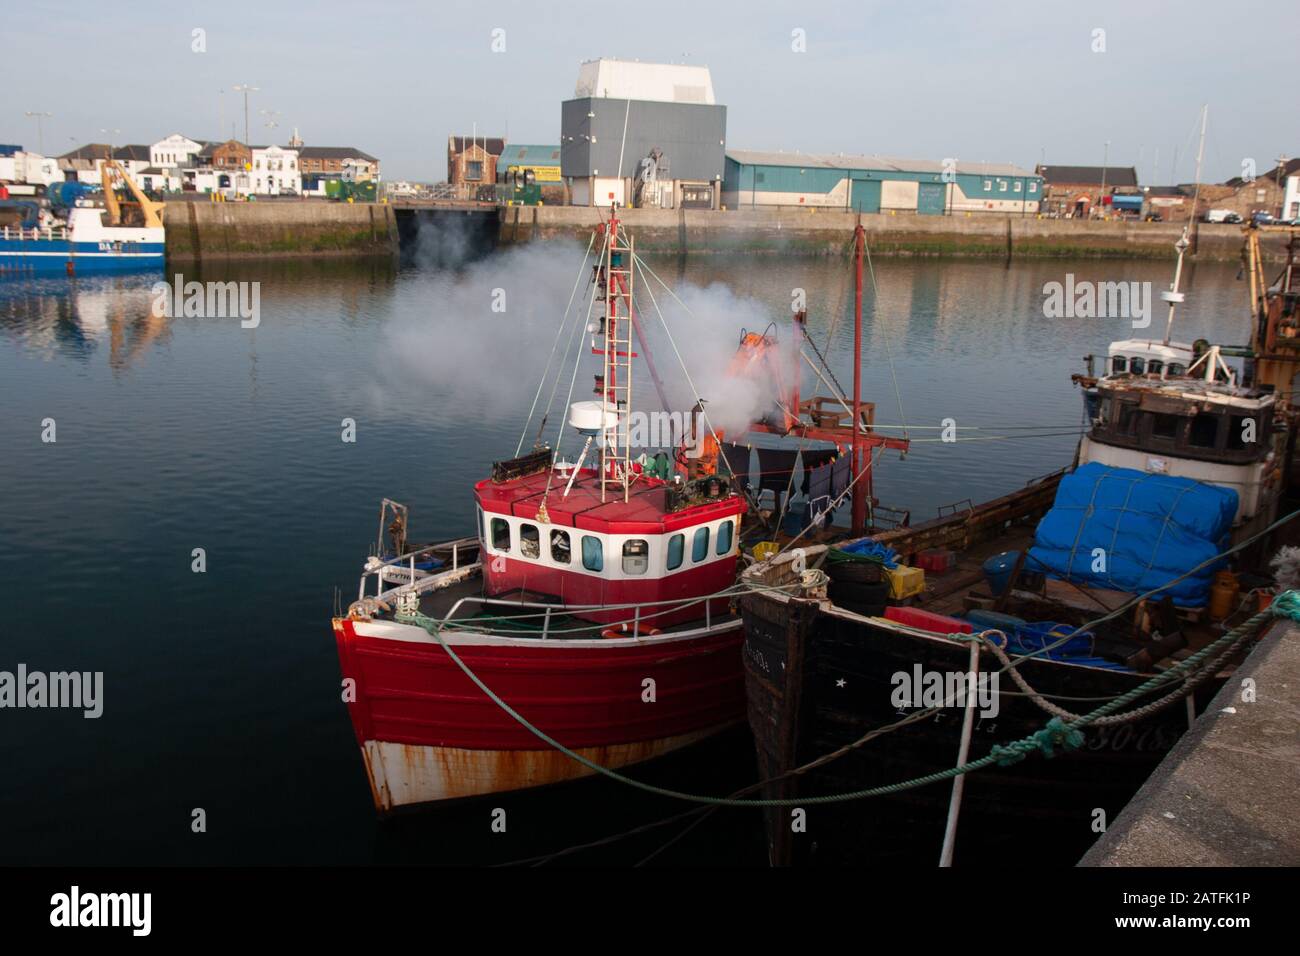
<point x="1173" y="296"/>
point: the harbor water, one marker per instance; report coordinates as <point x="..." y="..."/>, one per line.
<point x="221" y="688"/>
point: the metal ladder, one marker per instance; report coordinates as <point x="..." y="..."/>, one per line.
<point x="616" y="452"/>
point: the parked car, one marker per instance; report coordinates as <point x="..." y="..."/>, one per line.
<point x="1263" y="219"/>
<point x="1222" y="215"/>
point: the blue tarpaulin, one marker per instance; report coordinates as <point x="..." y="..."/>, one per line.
<point x="1149" y="529"/>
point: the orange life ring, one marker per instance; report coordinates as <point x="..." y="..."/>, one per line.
<point x="624" y="630"/>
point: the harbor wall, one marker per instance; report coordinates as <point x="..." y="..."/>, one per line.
<point x="199" y="230"/>
<point x="206" y="230"/>
<point x="821" y="232"/>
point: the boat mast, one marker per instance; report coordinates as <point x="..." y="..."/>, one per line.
<point x="862" y="485"/>
<point x="615" y="453"/>
<point x="1173" y="296"/>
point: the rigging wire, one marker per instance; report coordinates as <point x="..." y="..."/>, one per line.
<point x="582" y="270"/>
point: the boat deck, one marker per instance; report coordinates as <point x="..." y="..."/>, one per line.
<point x="498" y="617"/>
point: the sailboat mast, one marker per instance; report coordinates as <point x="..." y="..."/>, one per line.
<point x="1173" y="296"/>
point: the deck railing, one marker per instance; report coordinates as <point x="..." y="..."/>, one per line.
<point x="35" y="232"/>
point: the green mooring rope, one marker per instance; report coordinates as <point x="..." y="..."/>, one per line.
<point x="1056" y="736"/>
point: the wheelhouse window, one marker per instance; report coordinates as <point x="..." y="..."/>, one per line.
<point x="1175" y="370"/>
<point x="700" y="546"/>
<point x="593" y="553"/>
<point x="1164" y="426"/>
<point x="676" y="551"/>
<point x="1128" y="420"/>
<point x="1137" y="366"/>
<point x="1204" y="432"/>
<point x="500" y="534"/>
<point x="530" y="541"/>
<point x="560" y="546"/>
<point x="636" y="556"/>
<point x="1118" y="365"/>
<point x="1155" y="367"/>
<point x="724" y="537"/>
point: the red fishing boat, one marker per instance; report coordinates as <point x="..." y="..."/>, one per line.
<point x="596" y="599"/>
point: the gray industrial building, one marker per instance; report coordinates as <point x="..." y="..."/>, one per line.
<point x="645" y="135"/>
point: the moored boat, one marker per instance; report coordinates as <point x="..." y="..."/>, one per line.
<point x="1090" y="583"/>
<point x="96" y="235"/>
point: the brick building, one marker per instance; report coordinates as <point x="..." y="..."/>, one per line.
<point x="1074" y="192"/>
<point x="473" y="159"/>
<point x="330" y="162"/>
<point x="1264" y="193"/>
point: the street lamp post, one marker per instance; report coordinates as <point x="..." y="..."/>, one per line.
<point x="245" y="89"/>
<point x="40" y="118"/>
<point x="1101" y="200"/>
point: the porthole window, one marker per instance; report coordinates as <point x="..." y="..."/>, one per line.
<point x="500" y="534"/>
<point x="560" y="546"/>
<point x="724" y="537"/>
<point x="700" y="546"/>
<point x="530" y="541"/>
<point x="636" y="556"/>
<point x="593" y="553"/>
<point x="676" y="551"/>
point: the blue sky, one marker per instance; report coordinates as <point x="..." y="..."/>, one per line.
<point x="1000" y="81"/>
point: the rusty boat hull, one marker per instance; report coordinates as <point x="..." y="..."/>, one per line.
<point x="427" y="733"/>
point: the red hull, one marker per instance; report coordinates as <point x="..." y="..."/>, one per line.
<point x="428" y="733"/>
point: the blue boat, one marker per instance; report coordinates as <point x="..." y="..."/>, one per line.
<point x="111" y="235"/>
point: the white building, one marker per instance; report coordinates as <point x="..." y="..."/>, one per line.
<point x="275" y="170"/>
<point x="228" y="182"/>
<point x="175" y="151"/>
<point x="1291" y="198"/>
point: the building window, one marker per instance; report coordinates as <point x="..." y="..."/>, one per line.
<point x="724" y="537"/>
<point x="1033" y="187"/>
<point x="593" y="553"/>
<point x="760" y="177"/>
<point x="700" y="546"/>
<point x="530" y="541"/>
<point x="1002" y="185"/>
<point x="560" y="546"/>
<point x="636" y="556"/>
<point x="988" y="185"/>
<point x="676" y="551"/>
<point x="500" y="534"/>
<point x="1015" y="187"/>
<point x="474" y="169"/>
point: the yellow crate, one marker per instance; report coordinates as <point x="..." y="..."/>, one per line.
<point x="904" y="582"/>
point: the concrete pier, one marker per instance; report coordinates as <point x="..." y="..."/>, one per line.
<point x="1228" y="793"/>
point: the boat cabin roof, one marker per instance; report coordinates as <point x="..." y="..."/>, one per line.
<point x="645" y="512"/>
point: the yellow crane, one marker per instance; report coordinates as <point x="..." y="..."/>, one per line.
<point x="149" y="211"/>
